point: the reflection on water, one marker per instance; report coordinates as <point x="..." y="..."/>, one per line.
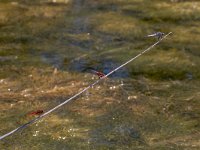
<point x="80" y="65"/>
<point x="52" y="59"/>
<point x="104" y="66"/>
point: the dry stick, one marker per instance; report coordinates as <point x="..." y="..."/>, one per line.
<point x="76" y="95"/>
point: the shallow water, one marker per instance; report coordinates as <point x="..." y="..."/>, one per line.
<point x="46" y="48"/>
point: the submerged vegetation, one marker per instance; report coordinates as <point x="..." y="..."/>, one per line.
<point x="152" y="103"/>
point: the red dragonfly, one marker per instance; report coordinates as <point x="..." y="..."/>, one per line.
<point x="37" y="112"/>
<point x="98" y="73"/>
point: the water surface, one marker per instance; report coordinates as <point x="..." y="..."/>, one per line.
<point x="152" y="103"/>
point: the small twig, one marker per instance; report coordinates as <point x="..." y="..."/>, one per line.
<point x="84" y="90"/>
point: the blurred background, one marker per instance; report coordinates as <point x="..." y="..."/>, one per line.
<point x="46" y="47"/>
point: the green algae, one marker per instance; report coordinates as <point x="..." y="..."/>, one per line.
<point x="156" y="107"/>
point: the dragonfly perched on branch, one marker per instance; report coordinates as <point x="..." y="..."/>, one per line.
<point x="159" y="35"/>
<point x="37" y="112"/>
<point x="94" y="71"/>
